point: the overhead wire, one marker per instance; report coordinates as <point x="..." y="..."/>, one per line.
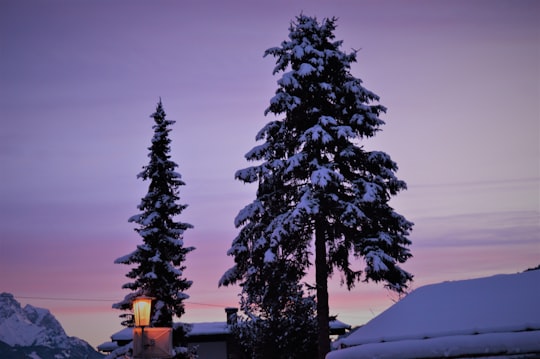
<point x="103" y="300"/>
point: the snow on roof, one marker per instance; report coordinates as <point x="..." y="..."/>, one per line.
<point x="338" y="324"/>
<point x="213" y="328"/>
<point x="458" y="346"/>
<point x="107" y="346"/>
<point x="199" y="329"/>
<point x="492" y="309"/>
<point x="209" y="328"/>
<point x="196" y="329"/>
<point x="205" y="328"/>
<point x="123" y="334"/>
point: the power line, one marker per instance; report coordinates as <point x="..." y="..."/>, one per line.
<point x="66" y="299"/>
<point x="207" y="304"/>
<point x="104" y="300"/>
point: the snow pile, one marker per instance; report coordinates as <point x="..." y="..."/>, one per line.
<point x="491" y="315"/>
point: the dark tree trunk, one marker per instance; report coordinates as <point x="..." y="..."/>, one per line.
<point x="321" y="278"/>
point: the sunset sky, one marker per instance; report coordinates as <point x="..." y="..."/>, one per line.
<point x="79" y="79"/>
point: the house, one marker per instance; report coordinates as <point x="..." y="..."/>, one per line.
<point x="493" y="317"/>
<point x="213" y="340"/>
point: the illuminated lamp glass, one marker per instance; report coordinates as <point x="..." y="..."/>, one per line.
<point x="141" y="310"/>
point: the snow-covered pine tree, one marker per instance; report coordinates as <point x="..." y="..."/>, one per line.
<point x="335" y="192"/>
<point x="290" y="333"/>
<point x="158" y="263"/>
<point x="279" y="321"/>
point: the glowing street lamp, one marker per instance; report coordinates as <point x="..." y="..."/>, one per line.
<point x="141" y="310"/>
<point x="149" y="342"/>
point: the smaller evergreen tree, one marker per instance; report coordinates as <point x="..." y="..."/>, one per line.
<point x="280" y="319"/>
<point x="158" y="263"/>
<point x="290" y="333"/>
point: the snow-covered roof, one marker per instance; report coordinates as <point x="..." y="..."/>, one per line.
<point x="215" y="328"/>
<point x="123" y="334"/>
<point x="197" y="329"/>
<point x="488" y="315"/>
<point x="209" y="328"/>
<point x="107" y="346"/>
<point x="338" y="324"/>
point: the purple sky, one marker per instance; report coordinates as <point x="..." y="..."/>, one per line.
<point x="79" y="79"/>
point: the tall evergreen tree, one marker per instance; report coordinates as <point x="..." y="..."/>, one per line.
<point x="335" y="193"/>
<point x="158" y="263"/>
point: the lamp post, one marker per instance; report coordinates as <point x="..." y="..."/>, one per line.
<point x="141" y="312"/>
